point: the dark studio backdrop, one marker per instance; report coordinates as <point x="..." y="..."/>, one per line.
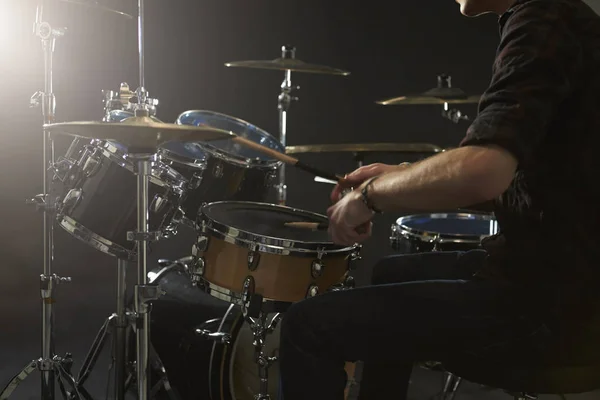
<point x="391" y="48"/>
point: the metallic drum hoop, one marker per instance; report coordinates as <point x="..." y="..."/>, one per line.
<point x="400" y="229"/>
<point x="267" y="244"/>
<point x="167" y="178"/>
<point x="96" y="241"/>
<point x="168" y="157"/>
<point x="228" y="157"/>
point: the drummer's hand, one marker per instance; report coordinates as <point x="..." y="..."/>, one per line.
<point x="356" y="178"/>
<point x="350" y="220"/>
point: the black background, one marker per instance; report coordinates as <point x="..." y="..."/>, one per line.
<point x="391" y="48"/>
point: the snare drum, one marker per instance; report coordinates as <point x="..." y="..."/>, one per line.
<point x="245" y="246"/>
<point x="441" y="232"/>
<point x="222" y="170"/>
<point x="100" y="205"/>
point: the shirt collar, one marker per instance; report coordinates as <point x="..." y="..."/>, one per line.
<point x="506" y="15"/>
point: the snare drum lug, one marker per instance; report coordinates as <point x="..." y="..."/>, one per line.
<point x="158" y="203"/>
<point x="312" y="291"/>
<point x="201" y="245"/>
<point x="316" y="268"/>
<point x="218" y="170"/>
<point x="253" y="260"/>
<point x="195" y="181"/>
<point x="196" y="270"/>
<point x="92" y="163"/>
<point x="349" y="282"/>
<point x="269" y="178"/>
<point x="354" y="257"/>
<point x="71" y="200"/>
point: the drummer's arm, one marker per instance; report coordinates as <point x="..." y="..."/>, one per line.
<point x="536" y="62"/>
<point x="454" y="179"/>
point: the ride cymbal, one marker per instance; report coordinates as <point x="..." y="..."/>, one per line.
<point x="291" y="64"/>
<point x="365" y="148"/>
<point x="140" y="132"/>
<point x="96" y="7"/>
<point x="433" y="96"/>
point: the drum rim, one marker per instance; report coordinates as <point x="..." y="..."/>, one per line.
<point x="94" y="240"/>
<point x="267" y="244"/>
<point x="400" y="229"/>
<point x="178" y="183"/>
<point x="234" y="159"/>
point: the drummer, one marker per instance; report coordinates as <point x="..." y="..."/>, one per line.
<point x="532" y="151"/>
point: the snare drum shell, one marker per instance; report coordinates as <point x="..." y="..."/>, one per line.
<point x="286" y="278"/>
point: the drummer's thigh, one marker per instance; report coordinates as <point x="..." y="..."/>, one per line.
<point x="450" y="265"/>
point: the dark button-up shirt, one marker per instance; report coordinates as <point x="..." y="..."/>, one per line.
<point x="543" y="105"/>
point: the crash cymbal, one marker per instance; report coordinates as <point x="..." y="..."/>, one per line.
<point x="365" y="148"/>
<point x="140" y="132"/>
<point x="97" y="7"/>
<point x="291" y="64"/>
<point x="434" y="96"/>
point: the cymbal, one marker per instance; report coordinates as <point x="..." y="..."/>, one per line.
<point x="434" y="96"/>
<point x="291" y="64"/>
<point x="141" y="132"/>
<point x="94" y="5"/>
<point x="365" y="148"/>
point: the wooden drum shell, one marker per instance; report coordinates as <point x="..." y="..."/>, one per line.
<point x="279" y="277"/>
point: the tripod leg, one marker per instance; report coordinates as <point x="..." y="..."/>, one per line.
<point x="17" y="379"/>
<point x="157" y="364"/>
<point x="94" y="353"/>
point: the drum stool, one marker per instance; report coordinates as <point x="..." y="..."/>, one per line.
<point x="523" y="382"/>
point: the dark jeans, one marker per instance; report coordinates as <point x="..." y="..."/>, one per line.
<point x="422" y="307"/>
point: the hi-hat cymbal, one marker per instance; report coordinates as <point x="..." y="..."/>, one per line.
<point x="139" y="132"/>
<point x="291" y="64"/>
<point x="97" y="7"/>
<point x="434" y="96"/>
<point x="365" y="148"/>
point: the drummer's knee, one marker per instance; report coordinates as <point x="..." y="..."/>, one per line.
<point x="394" y="269"/>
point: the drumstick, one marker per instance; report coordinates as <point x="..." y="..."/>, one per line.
<point x="318" y="226"/>
<point x="287" y="159"/>
<point x="314" y="226"/>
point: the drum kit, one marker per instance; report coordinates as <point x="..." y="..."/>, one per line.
<point x="131" y="179"/>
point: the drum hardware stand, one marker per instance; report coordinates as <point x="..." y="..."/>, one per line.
<point x="257" y="319"/>
<point x="445" y="81"/>
<point x="50" y="365"/>
<point x="454" y="115"/>
<point x="260" y="329"/>
<point x="284" y="100"/>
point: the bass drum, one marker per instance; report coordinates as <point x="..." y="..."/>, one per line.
<point x="200" y="368"/>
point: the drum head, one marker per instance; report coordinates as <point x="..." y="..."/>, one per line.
<point x="195" y="151"/>
<point x="450" y="226"/>
<point x="266" y="220"/>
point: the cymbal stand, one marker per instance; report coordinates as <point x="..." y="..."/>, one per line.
<point x="144" y="291"/>
<point x="454" y="115"/>
<point x="284" y="101"/>
<point x="50" y="365"/>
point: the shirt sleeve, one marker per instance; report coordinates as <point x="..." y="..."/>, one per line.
<point x="532" y="75"/>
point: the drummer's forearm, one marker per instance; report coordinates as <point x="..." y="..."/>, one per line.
<point x="453" y="179"/>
